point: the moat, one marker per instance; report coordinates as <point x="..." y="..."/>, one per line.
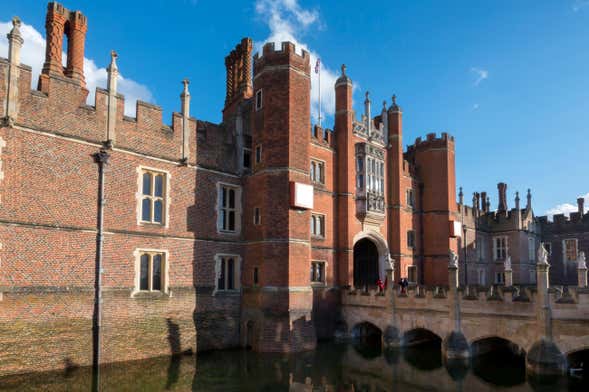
<point x="331" y="367"/>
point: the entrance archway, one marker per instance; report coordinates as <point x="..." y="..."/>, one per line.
<point x="366" y="266"/>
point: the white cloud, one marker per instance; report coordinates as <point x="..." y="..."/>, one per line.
<point x="567" y="208"/>
<point x="33" y="54"/>
<point x="286" y="19"/>
<point x="579" y="4"/>
<point x="481" y="74"/>
<point x="476" y="106"/>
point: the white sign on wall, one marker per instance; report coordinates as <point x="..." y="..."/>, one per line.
<point x="455" y="229"/>
<point x="301" y="195"/>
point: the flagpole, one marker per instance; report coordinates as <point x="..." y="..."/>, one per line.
<point x="319" y="69"/>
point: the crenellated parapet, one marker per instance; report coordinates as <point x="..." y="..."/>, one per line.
<point x="285" y="56"/>
<point x="59" y="105"/>
<point x="322" y="136"/>
<point x="445" y="141"/>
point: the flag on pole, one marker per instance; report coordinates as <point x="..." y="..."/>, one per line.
<point x="317" y="71"/>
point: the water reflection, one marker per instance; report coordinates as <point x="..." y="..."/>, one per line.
<point x="332" y="367"/>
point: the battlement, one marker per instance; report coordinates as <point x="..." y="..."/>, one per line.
<point x="559" y="220"/>
<point x="286" y="55"/>
<point x="444" y="141"/>
<point x="322" y="136"/>
<point x="59" y="105"/>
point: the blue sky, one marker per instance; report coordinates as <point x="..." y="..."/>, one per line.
<point x="509" y="79"/>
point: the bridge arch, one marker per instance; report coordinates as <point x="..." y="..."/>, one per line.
<point x="366" y="330"/>
<point x="419" y="335"/>
<point x="371" y="258"/>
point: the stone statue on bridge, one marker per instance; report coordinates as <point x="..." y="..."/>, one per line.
<point x="453" y="260"/>
<point x="542" y="255"/>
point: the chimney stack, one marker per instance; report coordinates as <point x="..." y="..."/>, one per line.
<point x="581" y="206"/>
<point x="73" y="24"/>
<point x="502" y="187"/>
<point x="484" y="201"/>
<point x="529" y="202"/>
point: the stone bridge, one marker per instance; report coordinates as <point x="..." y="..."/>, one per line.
<point x="546" y="323"/>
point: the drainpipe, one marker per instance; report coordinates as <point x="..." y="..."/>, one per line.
<point x="101" y="158"/>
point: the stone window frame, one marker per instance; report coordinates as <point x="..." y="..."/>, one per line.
<point x="219" y="257"/>
<point x="257" y="216"/>
<point x="482" y="276"/>
<point x="409" y="274"/>
<point x="259" y="99"/>
<point x="564" y="249"/>
<point x="322" y="220"/>
<point x="496" y="248"/>
<point x="531" y="249"/>
<point x="237" y="209"/>
<point x="320" y="165"/>
<point x="411" y="239"/>
<point x="410" y="196"/>
<point x="167" y="196"/>
<point x="256" y="276"/>
<point x="323" y="280"/>
<point x="244" y="152"/>
<point x="137" y="253"/>
<point x="499" y="277"/>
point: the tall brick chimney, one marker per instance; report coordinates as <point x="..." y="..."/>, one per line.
<point x="484" y="201"/>
<point x="75" y="29"/>
<point x="502" y="187"/>
<point x="581" y="206"/>
<point x="73" y="24"/>
<point x="238" y="67"/>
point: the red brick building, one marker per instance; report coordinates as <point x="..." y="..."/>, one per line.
<point x="210" y="235"/>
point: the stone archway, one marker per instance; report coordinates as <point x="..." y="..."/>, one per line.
<point x="371" y="259"/>
<point x="365" y="263"/>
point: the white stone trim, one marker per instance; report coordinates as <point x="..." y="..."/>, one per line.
<point x="139" y="195"/>
<point x="238" y="208"/>
<point x="564" y="250"/>
<point x="166" y="269"/>
<point x="237" y="272"/>
<point x="381" y="246"/>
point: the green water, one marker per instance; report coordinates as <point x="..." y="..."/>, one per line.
<point x="331" y="367"/>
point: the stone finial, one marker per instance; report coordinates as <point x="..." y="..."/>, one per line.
<point x="581" y="262"/>
<point x="15" y="41"/>
<point x="367" y="100"/>
<point x="517" y="200"/>
<point x="384" y="105"/>
<point x="185" y="83"/>
<point x="343" y="70"/>
<point x="542" y="255"/>
<point x="453" y="259"/>
<point x="112" y="71"/>
<point x="394" y="106"/>
<point x="185" y="98"/>
<point x="460" y="196"/>
<point x="507" y="263"/>
<point x="529" y="200"/>
<point x="488" y="204"/>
